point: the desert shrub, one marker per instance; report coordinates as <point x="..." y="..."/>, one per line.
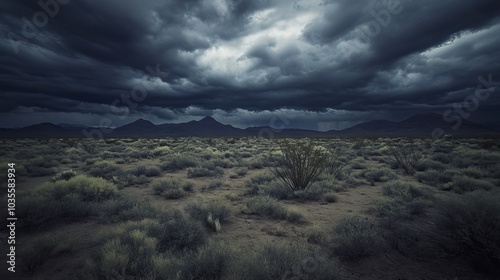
<point x="356" y="238"/>
<point x="358" y="164"/>
<point x="127" y="180"/>
<point x="444" y="158"/>
<point x="427" y="164"/>
<point x="177" y="162"/>
<point x="39" y="251"/>
<point x="257" y="162"/>
<point x="379" y="175"/>
<point x="59" y="200"/>
<point x="160" y="151"/>
<point x="330" y="197"/>
<point x="407" y="201"/>
<point x="462" y="184"/>
<point x="269" y="207"/>
<point x="276" y="261"/>
<point x="38" y="212"/>
<point x="434" y="177"/>
<point x="223" y="162"/>
<point x="275" y="190"/>
<point x="204" y="172"/>
<point x="210" y="263"/>
<point x="255" y="183"/>
<point x="121" y="209"/>
<point x="181" y="232"/>
<point x="295" y="216"/>
<point x="40" y="166"/>
<point x="469" y="226"/>
<point x="473" y="172"/>
<point x="104" y="169"/>
<point x="87" y="189"/>
<point x="215" y="183"/>
<point x="64" y="175"/>
<point x="209" y="213"/>
<point x="128" y="254"/>
<point x="406" y="156"/>
<point x="239" y="172"/>
<point x="336" y="163"/>
<point x="148" y="171"/>
<point x="172" y="188"/>
<point x="407" y="191"/>
<point x="266" y="206"/>
<point x="311" y="194"/>
<point x="481" y="158"/>
<point x="299" y="164"/>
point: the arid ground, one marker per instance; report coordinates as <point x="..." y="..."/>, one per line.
<point x="212" y="208"/>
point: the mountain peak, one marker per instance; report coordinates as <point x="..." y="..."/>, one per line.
<point x="143" y="121"/>
<point x="208" y="120"/>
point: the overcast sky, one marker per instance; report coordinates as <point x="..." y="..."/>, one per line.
<point x="321" y="65"/>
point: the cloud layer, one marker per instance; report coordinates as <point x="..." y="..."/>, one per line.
<point x="323" y="64"/>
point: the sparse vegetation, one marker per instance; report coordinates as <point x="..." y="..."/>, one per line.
<point x="234" y="220"/>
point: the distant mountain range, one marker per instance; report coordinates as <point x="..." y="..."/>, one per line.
<point x="417" y="125"/>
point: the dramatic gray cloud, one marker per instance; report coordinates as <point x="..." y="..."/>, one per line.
<point x="318" y="64"/>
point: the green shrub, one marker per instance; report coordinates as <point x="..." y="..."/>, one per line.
<point x="39" y="251"/>
<point x="406" y="191"/>
<point x="331" y="197"/>
<point x="462" y="184"/>
<point x="435" y="177"/>
<point x="275" y="190"/>
<point x="216" y="183"/>
<point x="427" y="164"/>
<point x="407" y="201"/>
<point x="379" y="175"/>
<point x="254" y="184"/>
<point x="269" y="207"/>
<point x="266" y="206"/>
<point x="469" y="226"/>
<point x="129" y="254"/>
<point x="356" y="238"/>
<point x="104" y="169"/>
<point x="210" y="263"/>
<point x="239" y="172"/>
<point x="285" y="262"/>
<point x="204" y="172"/>
<point x="64" y="175"/>
<point x="210" y="213"/>
<point x="358" y="164"/>
<point x="299" y="164"/>
<point x="127" y="180"/>
<point x="72" y="199"/>
<point x="336" y="163"/>
<point x="473" y="172"/>
<point x="180" y="233"/>
<point x="87" y="189"/>
<point x="177" y="162"/>
<point x="172" y="188"/>
<point x="148" y="171"/>
<point x="406" y="156"/>
<point x="121" y="209"/>
<point x="40" y="166"/>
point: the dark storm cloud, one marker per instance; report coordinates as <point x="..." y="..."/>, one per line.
<point x="245" y="59"/>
